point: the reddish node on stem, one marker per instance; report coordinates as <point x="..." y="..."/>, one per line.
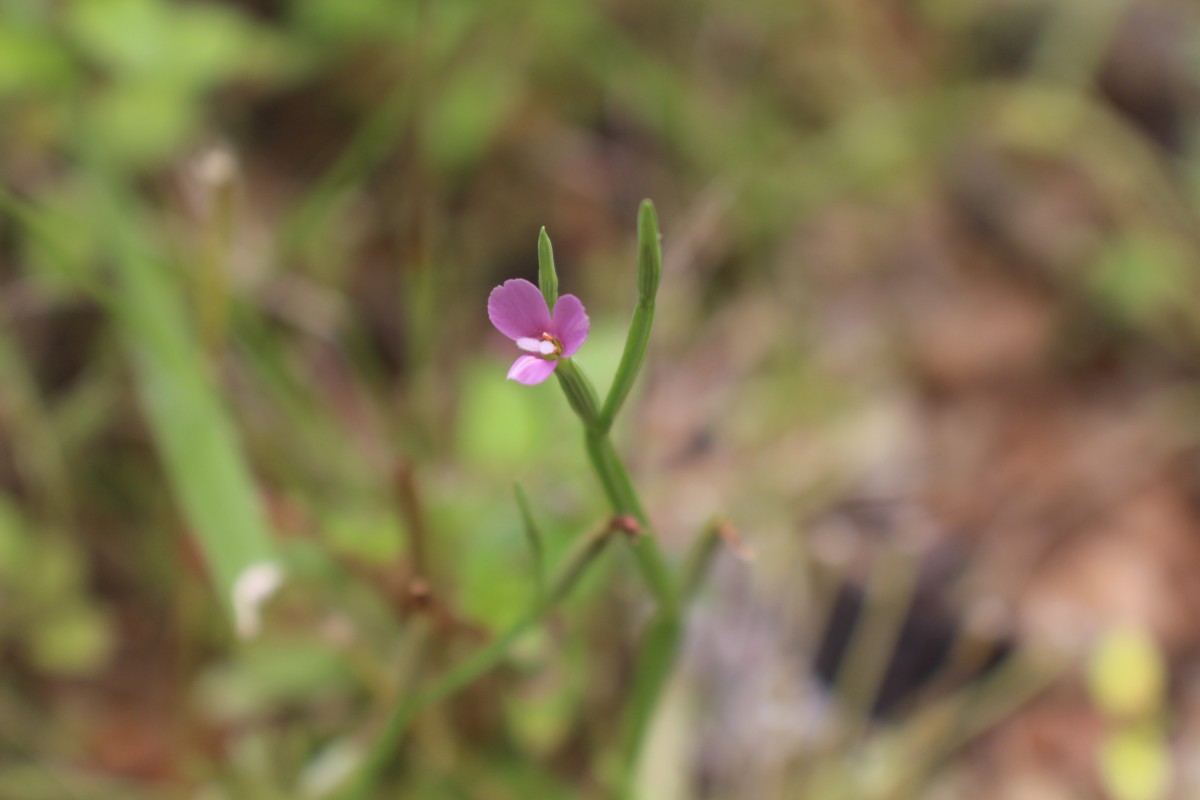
<point x="626" y="524"/>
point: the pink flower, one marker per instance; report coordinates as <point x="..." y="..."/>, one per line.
<point x="519" y="311"/>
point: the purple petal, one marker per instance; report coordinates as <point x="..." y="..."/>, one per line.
<point x="531" y="370"/>
<point x="518" y="310"/>
<point x="570" y="323"/>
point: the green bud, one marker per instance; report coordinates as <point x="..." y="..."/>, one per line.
<point x="547" y="277"/>
<point x="649" y="252"/>
<point x="649" y="273"/>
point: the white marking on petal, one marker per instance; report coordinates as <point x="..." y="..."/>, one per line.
<point x="531" y="345"/>
<point x="252" y="588"/>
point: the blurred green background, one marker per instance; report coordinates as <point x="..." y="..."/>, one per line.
<point x="927" y="336"/>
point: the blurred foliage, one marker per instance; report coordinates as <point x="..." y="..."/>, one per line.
<point x="244" y="253"/>
<point x="47" y="611"/>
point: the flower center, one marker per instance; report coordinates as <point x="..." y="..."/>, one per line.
<point x="547" y="346"/>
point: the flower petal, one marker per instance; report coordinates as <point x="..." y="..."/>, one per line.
<point x="518" y="310"/>
<point x="570" y="324"/>
<point x="531" y="370"/>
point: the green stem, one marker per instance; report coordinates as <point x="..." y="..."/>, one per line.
<point x="661" y="644"/>
<point x="659" y="650"/>
<point x="623" y="499"/>
<point x="467" y="672"/>
<point x="663" y="635"/>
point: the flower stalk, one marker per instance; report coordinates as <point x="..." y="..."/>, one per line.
<point x="660" y="646"/>
<point x="623" y="499"/>
<point x="549" y="330"/>
<point x="581" y="395"/>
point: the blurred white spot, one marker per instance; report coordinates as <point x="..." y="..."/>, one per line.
<point x="251" y="589"/>
<point x="216" y="167"/>
<point x="329" y="769"/>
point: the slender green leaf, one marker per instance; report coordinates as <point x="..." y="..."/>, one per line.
<point x="534" y="536"/>
<point x="194" y="436"/>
